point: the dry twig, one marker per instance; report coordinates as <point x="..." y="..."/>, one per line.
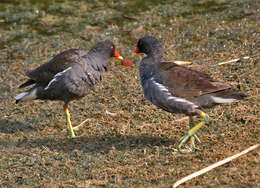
<point x="204" y="170"/>
<point x="230" y="61"/>
<point x="233" y="60"/>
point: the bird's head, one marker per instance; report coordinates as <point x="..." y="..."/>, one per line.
<point x="148" y="45"/>
<point x="108" y="50"/>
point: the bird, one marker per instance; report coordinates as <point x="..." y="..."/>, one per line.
<point x="69" y="76"/>
<point x="178" y="89"/>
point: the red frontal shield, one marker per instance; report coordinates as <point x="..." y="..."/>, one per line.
<point x="137" y="50"/>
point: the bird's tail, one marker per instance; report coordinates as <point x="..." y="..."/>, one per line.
<point x="27" y="83"/>
<point x="227" y="96"/>
<point x="27" y="95"/>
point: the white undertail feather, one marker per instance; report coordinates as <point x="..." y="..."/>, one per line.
<point x="223" y="100"/>
<point x="27" y="96"/>
<point x="20" y="96"/>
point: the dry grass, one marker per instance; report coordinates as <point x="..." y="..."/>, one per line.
<point x="133" y="146"/>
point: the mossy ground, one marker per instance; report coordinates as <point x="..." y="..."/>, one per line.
<point x="133" y="145"/>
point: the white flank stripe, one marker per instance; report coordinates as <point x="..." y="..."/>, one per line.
<point x="170" y="96"/>
<point x="20" y="96"/>
<point x="55" y="77"/>
<point x="222" y="100"/>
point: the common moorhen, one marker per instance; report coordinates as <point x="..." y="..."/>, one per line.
<point x="68" y="76"/>
<point x="177" y="89"/>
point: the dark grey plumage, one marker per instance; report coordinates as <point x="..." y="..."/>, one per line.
<point x="68" y="76"/>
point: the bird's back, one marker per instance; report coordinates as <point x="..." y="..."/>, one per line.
<point x="176" y="88"/>
<point x="43" y="74"/>
<point x="75" y="82"/>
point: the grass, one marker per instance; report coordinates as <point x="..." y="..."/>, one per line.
<point x="133" y="146"/>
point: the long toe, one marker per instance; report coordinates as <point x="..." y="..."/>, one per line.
<point x="197" y="138"/>
<point x="182" y="142"/>
<point x="76" y="128"/>
<point x="191" y="145"/>
<point x="187" y="143"/>
<point x="73" y="134"/>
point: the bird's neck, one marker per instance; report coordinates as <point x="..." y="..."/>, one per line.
<point x="156" y="52"/>
<point x="98" y="62"/>
<point x="147" y="68"/>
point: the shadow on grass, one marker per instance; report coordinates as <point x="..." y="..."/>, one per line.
<point x="97" y="144"/>
<point x="11" y="126"/>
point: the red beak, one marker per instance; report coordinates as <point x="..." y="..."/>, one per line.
<point x="137" y="50"/>
<point x="117" y="54"/>
<point x="127" y="62"/>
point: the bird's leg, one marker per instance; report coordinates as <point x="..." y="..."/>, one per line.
<point x="76" y="128"/>
<point x="190" y="136"/>
<point x="71" y="128"/>
<point x="194" y="137"/>
<point x="67" y="114"/>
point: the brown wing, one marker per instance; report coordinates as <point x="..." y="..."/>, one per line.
<point x="187" y="83"/>
<point x="45" y="73"/>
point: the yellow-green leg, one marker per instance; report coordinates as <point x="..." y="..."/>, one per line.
<point x="194" y="137"/>
<point x="71" y="129"/>
<point x="191" y="136"/>
<point x="67" y="114"/>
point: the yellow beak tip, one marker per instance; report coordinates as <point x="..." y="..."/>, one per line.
<point x="120" y="57"/>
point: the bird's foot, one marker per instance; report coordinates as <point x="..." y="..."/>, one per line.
<point x="189" y="142"/>
<point x="72" y="134"/>
<point x="189" y="139"/>
<point x="76" y="128"/>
